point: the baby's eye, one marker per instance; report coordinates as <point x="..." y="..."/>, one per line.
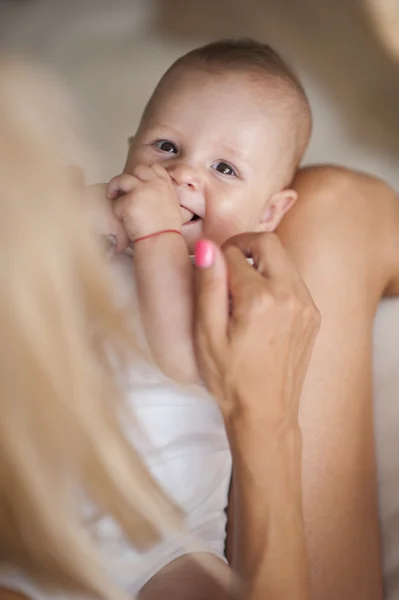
<point x="224" y="168"/>
<point x="166" y="146"/>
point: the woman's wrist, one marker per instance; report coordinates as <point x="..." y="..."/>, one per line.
<point x="268" y="521"/>
<point x="282" y="444"/>
<point x="255" y="413"/>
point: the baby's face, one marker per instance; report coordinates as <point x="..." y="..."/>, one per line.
<point x="222" y="142"/>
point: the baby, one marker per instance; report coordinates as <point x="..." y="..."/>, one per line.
<point x="214" y="154"/>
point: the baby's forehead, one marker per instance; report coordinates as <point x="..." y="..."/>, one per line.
<point x="184" y="80"/>
<point x="240" y="108"/>
<point x="220" y="95"/>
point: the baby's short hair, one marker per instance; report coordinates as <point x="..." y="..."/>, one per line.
<point x="265" y="64"/>
<point x="242" y="53"/>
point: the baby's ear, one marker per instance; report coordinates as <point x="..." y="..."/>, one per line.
<point x="278" y="205"/>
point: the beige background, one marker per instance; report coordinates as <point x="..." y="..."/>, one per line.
<point x="112" y="52"/>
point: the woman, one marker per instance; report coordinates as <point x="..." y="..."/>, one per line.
<point x="63" y="336"/>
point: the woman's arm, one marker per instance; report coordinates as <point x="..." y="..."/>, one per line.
<point x="269" y="550"/>
<point x="271" y="313"/>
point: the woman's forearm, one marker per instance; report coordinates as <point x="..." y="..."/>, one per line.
<point x="269" y="550"/>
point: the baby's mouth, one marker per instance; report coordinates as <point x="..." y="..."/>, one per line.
<point x="189" y="216"/>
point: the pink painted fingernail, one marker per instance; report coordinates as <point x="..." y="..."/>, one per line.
<point x="204" y="254"/>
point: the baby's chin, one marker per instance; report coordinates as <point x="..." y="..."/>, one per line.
<point x="192" y="233"/>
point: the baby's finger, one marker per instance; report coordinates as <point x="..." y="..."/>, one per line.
<point x="160" y="171"/>
<point x="113" y="187"/>
<point x="121" y="184"/>
<point x="144" y="173"/>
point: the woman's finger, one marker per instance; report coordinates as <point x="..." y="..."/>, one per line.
<point x="243" y="279"/>
<point x="270" y="258"/>
<point x="212" y="297"/>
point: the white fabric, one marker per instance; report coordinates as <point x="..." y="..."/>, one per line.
<point x="191" y="460"/>
<point x="185" y="448"/>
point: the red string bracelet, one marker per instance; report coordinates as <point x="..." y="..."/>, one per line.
<point x="146" y="237"/>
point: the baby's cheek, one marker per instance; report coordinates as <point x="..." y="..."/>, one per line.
<point x="223" y="225"/>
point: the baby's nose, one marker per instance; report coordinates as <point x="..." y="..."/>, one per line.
<point x="184" y="176"/>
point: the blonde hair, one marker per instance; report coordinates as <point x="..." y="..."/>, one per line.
<point x="61" y="334"/>
<point x="385" y="18"/>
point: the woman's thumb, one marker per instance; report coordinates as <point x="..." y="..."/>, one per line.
<point x="212" y="294"/>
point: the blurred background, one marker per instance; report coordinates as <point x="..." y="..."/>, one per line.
<point x="112" y="53"/>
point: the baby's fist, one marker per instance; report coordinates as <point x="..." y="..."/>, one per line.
<point x="145" y="201"/>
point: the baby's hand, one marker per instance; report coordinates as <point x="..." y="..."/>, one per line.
<point x="102" y="217"/>
<point x="145" y="202"/>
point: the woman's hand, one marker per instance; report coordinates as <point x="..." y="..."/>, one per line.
<point x="255" y="327"/>
<point x="255" y="330"/>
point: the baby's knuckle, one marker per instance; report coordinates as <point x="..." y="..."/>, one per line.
<point x="126" y="181"/>
<point x="113" y="180"/>
<point x="129" y="204"/>
<point x="138" y="169"/>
